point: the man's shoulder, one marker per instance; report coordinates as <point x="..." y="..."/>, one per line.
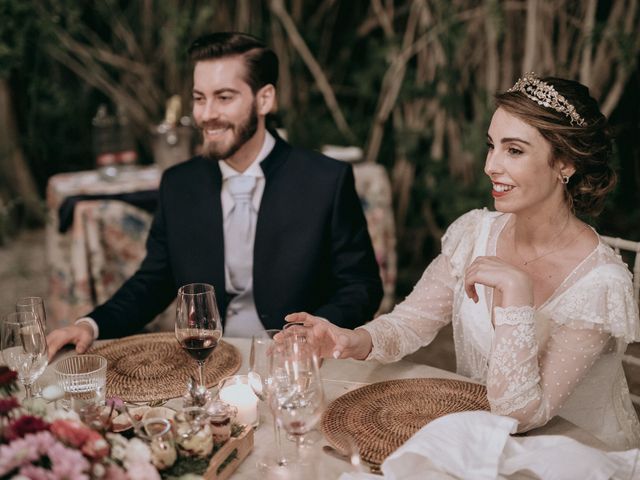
<point x="194" y="166"/>
<point x="314" y="161"/>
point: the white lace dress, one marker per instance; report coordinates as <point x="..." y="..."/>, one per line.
<point x="563" y="358"/>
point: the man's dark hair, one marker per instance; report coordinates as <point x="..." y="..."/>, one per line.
<point x="260" y="61"/>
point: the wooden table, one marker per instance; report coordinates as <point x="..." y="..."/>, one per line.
<point x="339" y="377"/>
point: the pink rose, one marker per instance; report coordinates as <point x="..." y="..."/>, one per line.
<point x="95" y="446"/>
<point x="71" y="433"/>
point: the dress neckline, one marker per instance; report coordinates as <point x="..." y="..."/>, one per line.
<point x="492" y="247"/>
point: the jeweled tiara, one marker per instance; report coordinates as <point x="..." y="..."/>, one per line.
<point x="545" y="95"/>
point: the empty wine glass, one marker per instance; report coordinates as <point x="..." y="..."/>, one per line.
<point x="296" y="391"/>
<point x="35" y="305"/>
<point x="259" y="379"/>
<point x="198" y="326"/>
<point x="24" y="347"/>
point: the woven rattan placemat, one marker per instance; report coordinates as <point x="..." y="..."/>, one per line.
<point x="382" y="416"/>
<point x="150" y="367"/>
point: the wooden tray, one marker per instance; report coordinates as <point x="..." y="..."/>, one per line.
<point x="240" y="445"/>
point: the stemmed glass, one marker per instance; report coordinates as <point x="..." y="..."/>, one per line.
<point x="24" y="347"/>
<point x="198" y="325"/>
<point x="297" y="395"/>
<point x="35" y="305"/>
<point x="259" y="378"/>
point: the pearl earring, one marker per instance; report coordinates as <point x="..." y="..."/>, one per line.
<point x="565" y="179"/>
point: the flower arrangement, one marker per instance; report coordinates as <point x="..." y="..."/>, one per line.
<point x="55" y="444"/>
<point x="39" y="446"/>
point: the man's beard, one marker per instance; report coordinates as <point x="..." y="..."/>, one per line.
<point x="242" y="133"/>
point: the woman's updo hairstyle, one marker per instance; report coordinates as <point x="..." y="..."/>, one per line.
<point x="588" y="147"/>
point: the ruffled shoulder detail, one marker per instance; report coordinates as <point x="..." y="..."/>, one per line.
<point x="602" y="300"/>
<point x="459" y="240"/>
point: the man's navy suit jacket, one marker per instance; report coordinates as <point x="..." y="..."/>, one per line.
<point x="312" y="250"/>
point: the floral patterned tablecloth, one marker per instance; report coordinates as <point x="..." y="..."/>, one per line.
<point x="106" y="241"/>
<point x="103" y="247"/>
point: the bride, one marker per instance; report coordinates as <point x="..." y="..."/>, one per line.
<point x="542" y="310"/>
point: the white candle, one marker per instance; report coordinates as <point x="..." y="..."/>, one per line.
<point x="241" y="396"/>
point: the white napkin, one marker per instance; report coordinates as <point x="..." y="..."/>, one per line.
<point x="478" y="446"/>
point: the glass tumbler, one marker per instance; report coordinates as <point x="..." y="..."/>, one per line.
<point x="83" y="379"/>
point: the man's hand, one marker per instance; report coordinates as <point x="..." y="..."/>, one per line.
<point x="80" y="335"/>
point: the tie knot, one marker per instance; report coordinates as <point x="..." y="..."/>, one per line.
<point x="241" y="187"/>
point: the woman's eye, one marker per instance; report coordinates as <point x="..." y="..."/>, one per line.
<point x="514" y="151"/>
<point x="490" y="146"/>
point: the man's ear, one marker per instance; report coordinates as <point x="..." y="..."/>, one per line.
<point x="265" y="99"/>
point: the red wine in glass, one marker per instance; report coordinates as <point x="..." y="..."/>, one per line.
<point x="198" y="324"/>
<point x="200" y="347"/>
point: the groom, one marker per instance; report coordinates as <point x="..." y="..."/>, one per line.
<point x="274" y="228"/>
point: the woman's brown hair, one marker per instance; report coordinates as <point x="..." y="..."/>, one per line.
<point x="588" y="148"/>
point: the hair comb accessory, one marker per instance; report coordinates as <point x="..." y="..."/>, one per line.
<point x="545" y="95"/>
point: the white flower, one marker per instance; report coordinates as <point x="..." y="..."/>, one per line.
<point x="137" y="451"/>
<point x="61" y="414"/>
<point x="118" y="446"/>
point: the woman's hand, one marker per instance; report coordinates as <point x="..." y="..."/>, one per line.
<point x="514" y="284"/>
<point x="331" y="341"/>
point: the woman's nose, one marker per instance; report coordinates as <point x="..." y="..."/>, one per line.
<point x="492" y="163"/>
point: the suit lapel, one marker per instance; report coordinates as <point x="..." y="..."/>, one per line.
<point x="265" y="223"/>
<point x="212" y="224"/>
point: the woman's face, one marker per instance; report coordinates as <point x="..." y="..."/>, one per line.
<point x="518" y="164"/>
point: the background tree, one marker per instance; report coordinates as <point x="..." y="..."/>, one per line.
<point x="409" y="80"/>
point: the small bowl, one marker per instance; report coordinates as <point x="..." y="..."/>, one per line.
<point x="165" y="413"/>
<point x="122" y="422"/>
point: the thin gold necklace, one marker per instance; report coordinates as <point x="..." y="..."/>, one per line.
<point x="527" y="262"/>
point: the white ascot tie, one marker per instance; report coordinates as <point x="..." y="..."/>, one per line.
<point x="239" y="234"/>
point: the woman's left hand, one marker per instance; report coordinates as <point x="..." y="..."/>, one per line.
<point x="513" y="283"/>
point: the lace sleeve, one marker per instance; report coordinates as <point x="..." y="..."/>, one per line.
<point x="416" y="321"/>
<point x="531" y="385"/>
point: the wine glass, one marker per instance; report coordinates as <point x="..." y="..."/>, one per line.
<point x="198" y="325"/>
<point x="296" y="391"/>
<point x="24" y="347"/>
<point x="259" y="379"/>
<point x="35" y="305"/>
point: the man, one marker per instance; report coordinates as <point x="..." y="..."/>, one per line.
<point x="275" y="229"/>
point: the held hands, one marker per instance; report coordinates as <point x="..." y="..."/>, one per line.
<point x="331" y="341"/>
<point x="514" y="284"/>
<point x="80" y="335"/>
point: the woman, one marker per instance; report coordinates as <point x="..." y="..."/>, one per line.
<point x="542" y="310"/>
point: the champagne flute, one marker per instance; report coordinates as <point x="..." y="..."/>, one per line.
<point x="198" y="325"/>
<point x="297" y="394"/>
<point x="24" y="348"/>
<point x="259" y="379"/>
<point x="35" y="305"/>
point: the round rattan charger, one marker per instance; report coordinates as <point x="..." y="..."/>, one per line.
<point x="153" y="367"/>
<point x="382" y="416"/>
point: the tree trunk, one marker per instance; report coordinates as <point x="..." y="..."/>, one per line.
<point x="13" y="167"/>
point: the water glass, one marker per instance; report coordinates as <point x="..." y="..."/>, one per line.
<point x="83" y="379"/>
<point x="24" y="347"/>
<point x="35" y="305"/>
